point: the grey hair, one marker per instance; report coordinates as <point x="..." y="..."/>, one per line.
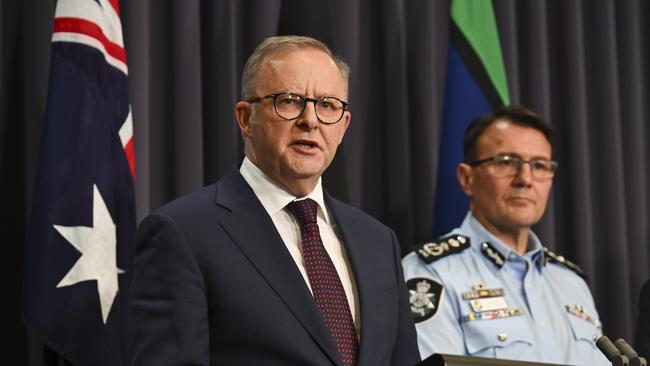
<point x="278" y="44"/>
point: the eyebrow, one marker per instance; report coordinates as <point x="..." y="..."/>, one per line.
<point x="538" y="157"/>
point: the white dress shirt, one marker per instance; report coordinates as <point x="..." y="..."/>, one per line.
<point x="275" y="199"/>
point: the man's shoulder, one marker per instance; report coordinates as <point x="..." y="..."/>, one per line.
<point x="345" y="211"/>
<point x="206" y="198"/>
<point x="189" y="203"/>
<point x="565" y="266"/>
<point x="449" y="247"/>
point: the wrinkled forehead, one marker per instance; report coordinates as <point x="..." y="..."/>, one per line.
<point x="301" y="68"/>
<point x="296" y="60"/>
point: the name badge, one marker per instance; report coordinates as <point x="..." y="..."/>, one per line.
<point x="488" y="304"/>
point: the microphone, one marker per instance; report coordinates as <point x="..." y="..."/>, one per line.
<point x="627" y="350"/>
<point x="611" y="352"/>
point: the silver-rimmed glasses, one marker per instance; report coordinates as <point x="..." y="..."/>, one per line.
<point x="506" y="165"/>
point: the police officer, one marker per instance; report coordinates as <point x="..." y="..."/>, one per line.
<point x="489" y="288"/>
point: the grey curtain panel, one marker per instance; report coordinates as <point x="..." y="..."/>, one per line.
<point x="581" y="64"/>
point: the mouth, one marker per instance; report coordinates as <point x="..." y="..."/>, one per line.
<point x="520" y="199"/>
<point x="309" y="144"/>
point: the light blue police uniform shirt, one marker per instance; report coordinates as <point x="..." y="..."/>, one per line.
<point x="546" y="312"/>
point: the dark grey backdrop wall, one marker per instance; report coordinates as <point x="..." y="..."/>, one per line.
<point x="581" y="64"/>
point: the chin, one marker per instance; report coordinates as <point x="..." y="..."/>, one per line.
<point x="305" y="172"/>
<point x="524" y="221"/>
<point x="305" y="168"/>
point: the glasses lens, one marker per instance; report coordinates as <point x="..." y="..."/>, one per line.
<point x="329" y="110"/>
<point x="289" y="106"/>
<point x="505" y="165"/>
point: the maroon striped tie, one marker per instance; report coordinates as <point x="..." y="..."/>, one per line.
<point x="325" y="282"/>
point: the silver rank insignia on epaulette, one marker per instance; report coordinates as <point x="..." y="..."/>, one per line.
<point x="549" y="255"/>
<point x="579" y="311"/>
<point x="442" y="247"/>
<point x="493" y="254"/>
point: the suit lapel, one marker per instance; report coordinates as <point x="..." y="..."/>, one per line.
<point x="358" y="249"/>
<point x="253" y="231"/>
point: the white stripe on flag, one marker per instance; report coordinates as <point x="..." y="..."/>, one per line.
<point x="104" y="16"/>
<point x="92" y="42"/>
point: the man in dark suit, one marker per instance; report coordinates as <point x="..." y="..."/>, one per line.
<point x="264" y="267"/>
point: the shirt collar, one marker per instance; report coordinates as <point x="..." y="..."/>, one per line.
<point x="481" y="235"/>
<point x="273" y="197"/>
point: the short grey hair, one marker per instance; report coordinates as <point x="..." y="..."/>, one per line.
<point x="278" y="44"/>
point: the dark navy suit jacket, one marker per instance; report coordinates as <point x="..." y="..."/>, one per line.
<point x="214" y="284"/>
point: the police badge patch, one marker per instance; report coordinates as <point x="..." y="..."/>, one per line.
<point x="424" y="296"/>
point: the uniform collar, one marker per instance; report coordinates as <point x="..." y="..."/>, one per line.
<point x="273" y="197"/>
<point x="479" y="235"/>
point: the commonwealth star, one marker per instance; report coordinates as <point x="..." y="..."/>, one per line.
<point x="97" y="245"/>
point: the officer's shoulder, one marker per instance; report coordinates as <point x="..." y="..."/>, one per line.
<point x="444" y="246"/>
<point x="561" y="261"/>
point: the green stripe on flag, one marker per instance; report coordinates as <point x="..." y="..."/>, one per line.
<point x="476" y="20"/>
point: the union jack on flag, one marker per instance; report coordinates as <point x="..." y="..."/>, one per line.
<point x="81" y="232"/>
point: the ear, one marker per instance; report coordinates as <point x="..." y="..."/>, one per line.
<point x="346" y="122"/>
<point x="465" y="178"/>
<point x="243" y="111"/>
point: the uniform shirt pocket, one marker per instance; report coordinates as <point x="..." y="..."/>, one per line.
<point x="501" y="338"/>
<point x="585" y="334"/>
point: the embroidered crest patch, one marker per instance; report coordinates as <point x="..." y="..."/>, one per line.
<point x="425" y="295"/>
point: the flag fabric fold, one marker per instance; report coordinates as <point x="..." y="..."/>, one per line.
<point x="475" y="83"/>
<point x="81" y="231"/>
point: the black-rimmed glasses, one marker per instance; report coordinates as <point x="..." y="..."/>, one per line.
<point x="505" y="165"/>
<point x="329" y="110"/>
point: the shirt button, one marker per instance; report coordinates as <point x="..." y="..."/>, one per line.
<point x="502" y="336"/>
<point x="542" y="324"/>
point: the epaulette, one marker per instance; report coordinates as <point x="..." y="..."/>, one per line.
<point x="549" y="255"/>
<point x="442" y="247"/>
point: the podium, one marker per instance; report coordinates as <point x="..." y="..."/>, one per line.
<point x="455" y="360"/>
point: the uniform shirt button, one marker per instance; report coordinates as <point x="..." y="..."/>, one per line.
<point x="502" y="336"/>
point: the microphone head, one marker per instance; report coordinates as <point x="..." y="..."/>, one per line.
<point x="611" y="352"/>
<point x="607" y="347"/>
<point x="628" y="351"/>
<point x="625" y="348"/>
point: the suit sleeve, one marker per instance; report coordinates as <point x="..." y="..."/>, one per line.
<point x="168" y="321"/>
<point x="405" y="351"/>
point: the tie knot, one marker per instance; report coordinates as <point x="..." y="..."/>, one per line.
<point x="304" y="211"/>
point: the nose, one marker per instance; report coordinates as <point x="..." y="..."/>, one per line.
<point x="524" y="176"/>
<point x="308" y="120"/>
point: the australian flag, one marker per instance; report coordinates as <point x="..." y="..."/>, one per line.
<point x="81" y="232"/>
